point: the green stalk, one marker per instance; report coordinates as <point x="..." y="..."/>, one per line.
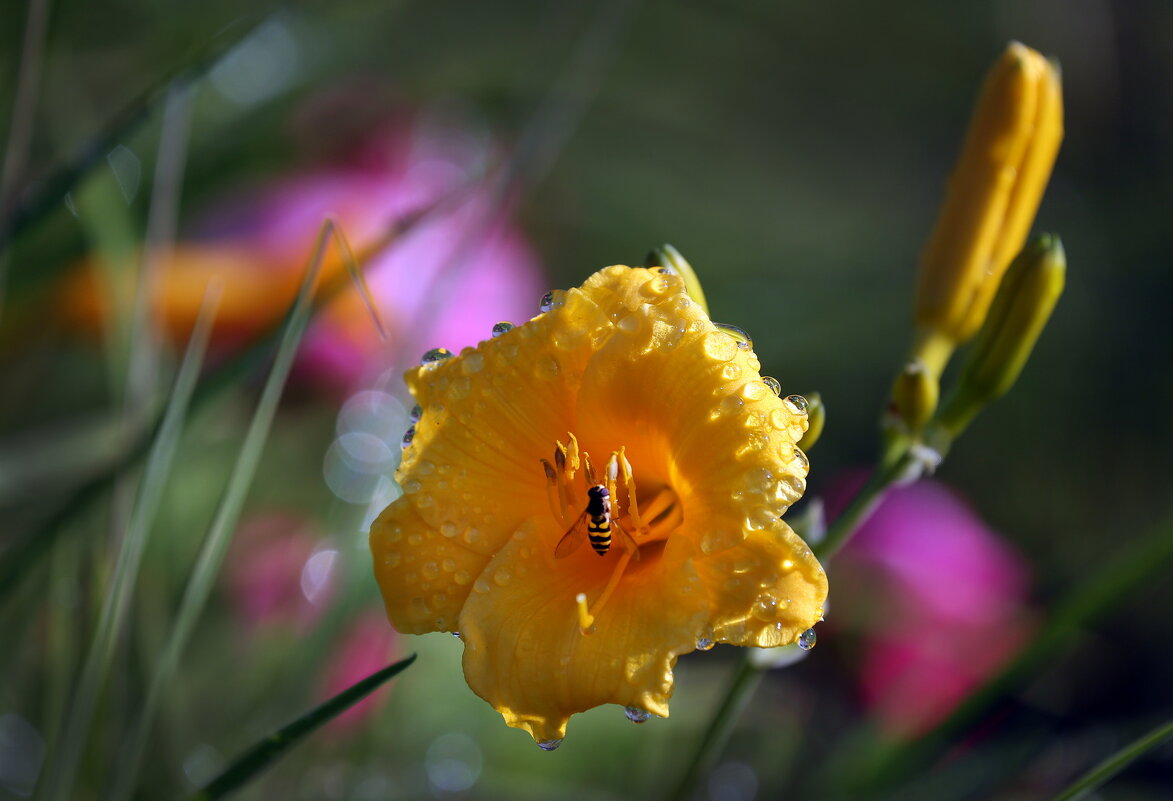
<point x="742" y="685"/>
<point x="117" y="601"/>
<point x="273" y="747"/>
<point x="199" y="585"/>
<point x="1107" y="769"/>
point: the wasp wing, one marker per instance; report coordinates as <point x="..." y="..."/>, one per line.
<point x="574" y="537"/>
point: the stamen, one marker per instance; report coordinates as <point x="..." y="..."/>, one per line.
<point x="566" y="468"/>
<point x="629" y="483"/>
<point x="612" y="583"/>
<point x="612" y="475"/>
<point x="586" y="621"/>
<point x="588" y="469"/>
<point x="572" y="453"/>
<point x="557" y="510"/>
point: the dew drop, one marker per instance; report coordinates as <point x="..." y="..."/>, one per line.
<point x="807" y="639"/>
<point x="502" y="327"/>
<point x="408" y="436"/>
<point x="730" y="371"/>
<point x="803" y="462"/>
<point x="797" y="403"/>
<point x="502" y="576"/>
<point x="718" y="346"/>
<point x="448" y="529"/>
<point x="549" y="745"/>
<point x="412" y="487"/>
<point x="773" y="384"/>
<point x="456" y="634"/>
<point x="738" y="334"/>
<point x="430" y="570"/>
<point x="481" y="586"/>
<point x="636" y="715"/>
<point x="449" y="565"/>
<point x="704" y="644"/>
<point x="462" y="577"/>
<point x="436" y="355"/>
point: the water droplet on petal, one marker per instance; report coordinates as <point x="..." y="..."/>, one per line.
<point x="436" y="355"/>
<point x="773" y="384"/>
<point x="417" y="412"/>
<point x="636" y="715"/>
<point x="549" y="745"/>
<point x="503" y="327"/>
<point x="807" y="639"/>
<point x="407" y="437"/>
<point x="704" y="644"/>
<point x="552" y="300"/>
<point x="743" y="340"/>
<point x="797" y="403"/>
<point x="456" y="634"/>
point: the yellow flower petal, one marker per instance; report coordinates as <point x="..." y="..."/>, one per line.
<point x="766" y="588"/>
<point x="525" y="655"/>
<point x="698" y="456"/>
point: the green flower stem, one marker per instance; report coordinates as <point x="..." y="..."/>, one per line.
<point x="745" y="680"/>
<point x="273" y="747"/>
<point x="907" y="465"/>
<point x="1107" y="769"/>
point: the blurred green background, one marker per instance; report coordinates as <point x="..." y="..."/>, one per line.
<point x="795" y="153"/>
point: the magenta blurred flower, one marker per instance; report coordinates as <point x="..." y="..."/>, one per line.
<point x="938" y="598"/>
<point x="276" y="573"/>
<point x="366" y="646"/>
<point x="442" y="282"/>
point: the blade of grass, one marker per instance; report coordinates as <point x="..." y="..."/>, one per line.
<point x="273" y="747"/>
<point x="1107" y="769"/>
<point x="17" y="559"/>
<point x="46" y="193"/>
<point x="113" y="615"/>
<point x="223" y="525"/>
<point x="20" y="128"/>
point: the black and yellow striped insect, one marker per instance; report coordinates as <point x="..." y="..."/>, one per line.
<point x="599" y="525"/>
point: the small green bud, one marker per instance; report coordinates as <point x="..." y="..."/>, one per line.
<point x="1020" y="310"/>
<point x="669" y="257"/>
<point x="816" y="418"/>
<point x="914" y="396"/>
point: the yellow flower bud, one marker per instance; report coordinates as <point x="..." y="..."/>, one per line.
<point x="670" y="258"/>
<point x="991" y="200"/>
<point x="1017" y="316"/>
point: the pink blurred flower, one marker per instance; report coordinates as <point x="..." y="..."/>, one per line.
<point x="443" y="282"/>
<point x="274" y="574"/>
<point x="366" y="646"/>
<point x="938" y="598"/>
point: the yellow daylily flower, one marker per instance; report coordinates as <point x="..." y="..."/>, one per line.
<point x="623" y="384"/>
